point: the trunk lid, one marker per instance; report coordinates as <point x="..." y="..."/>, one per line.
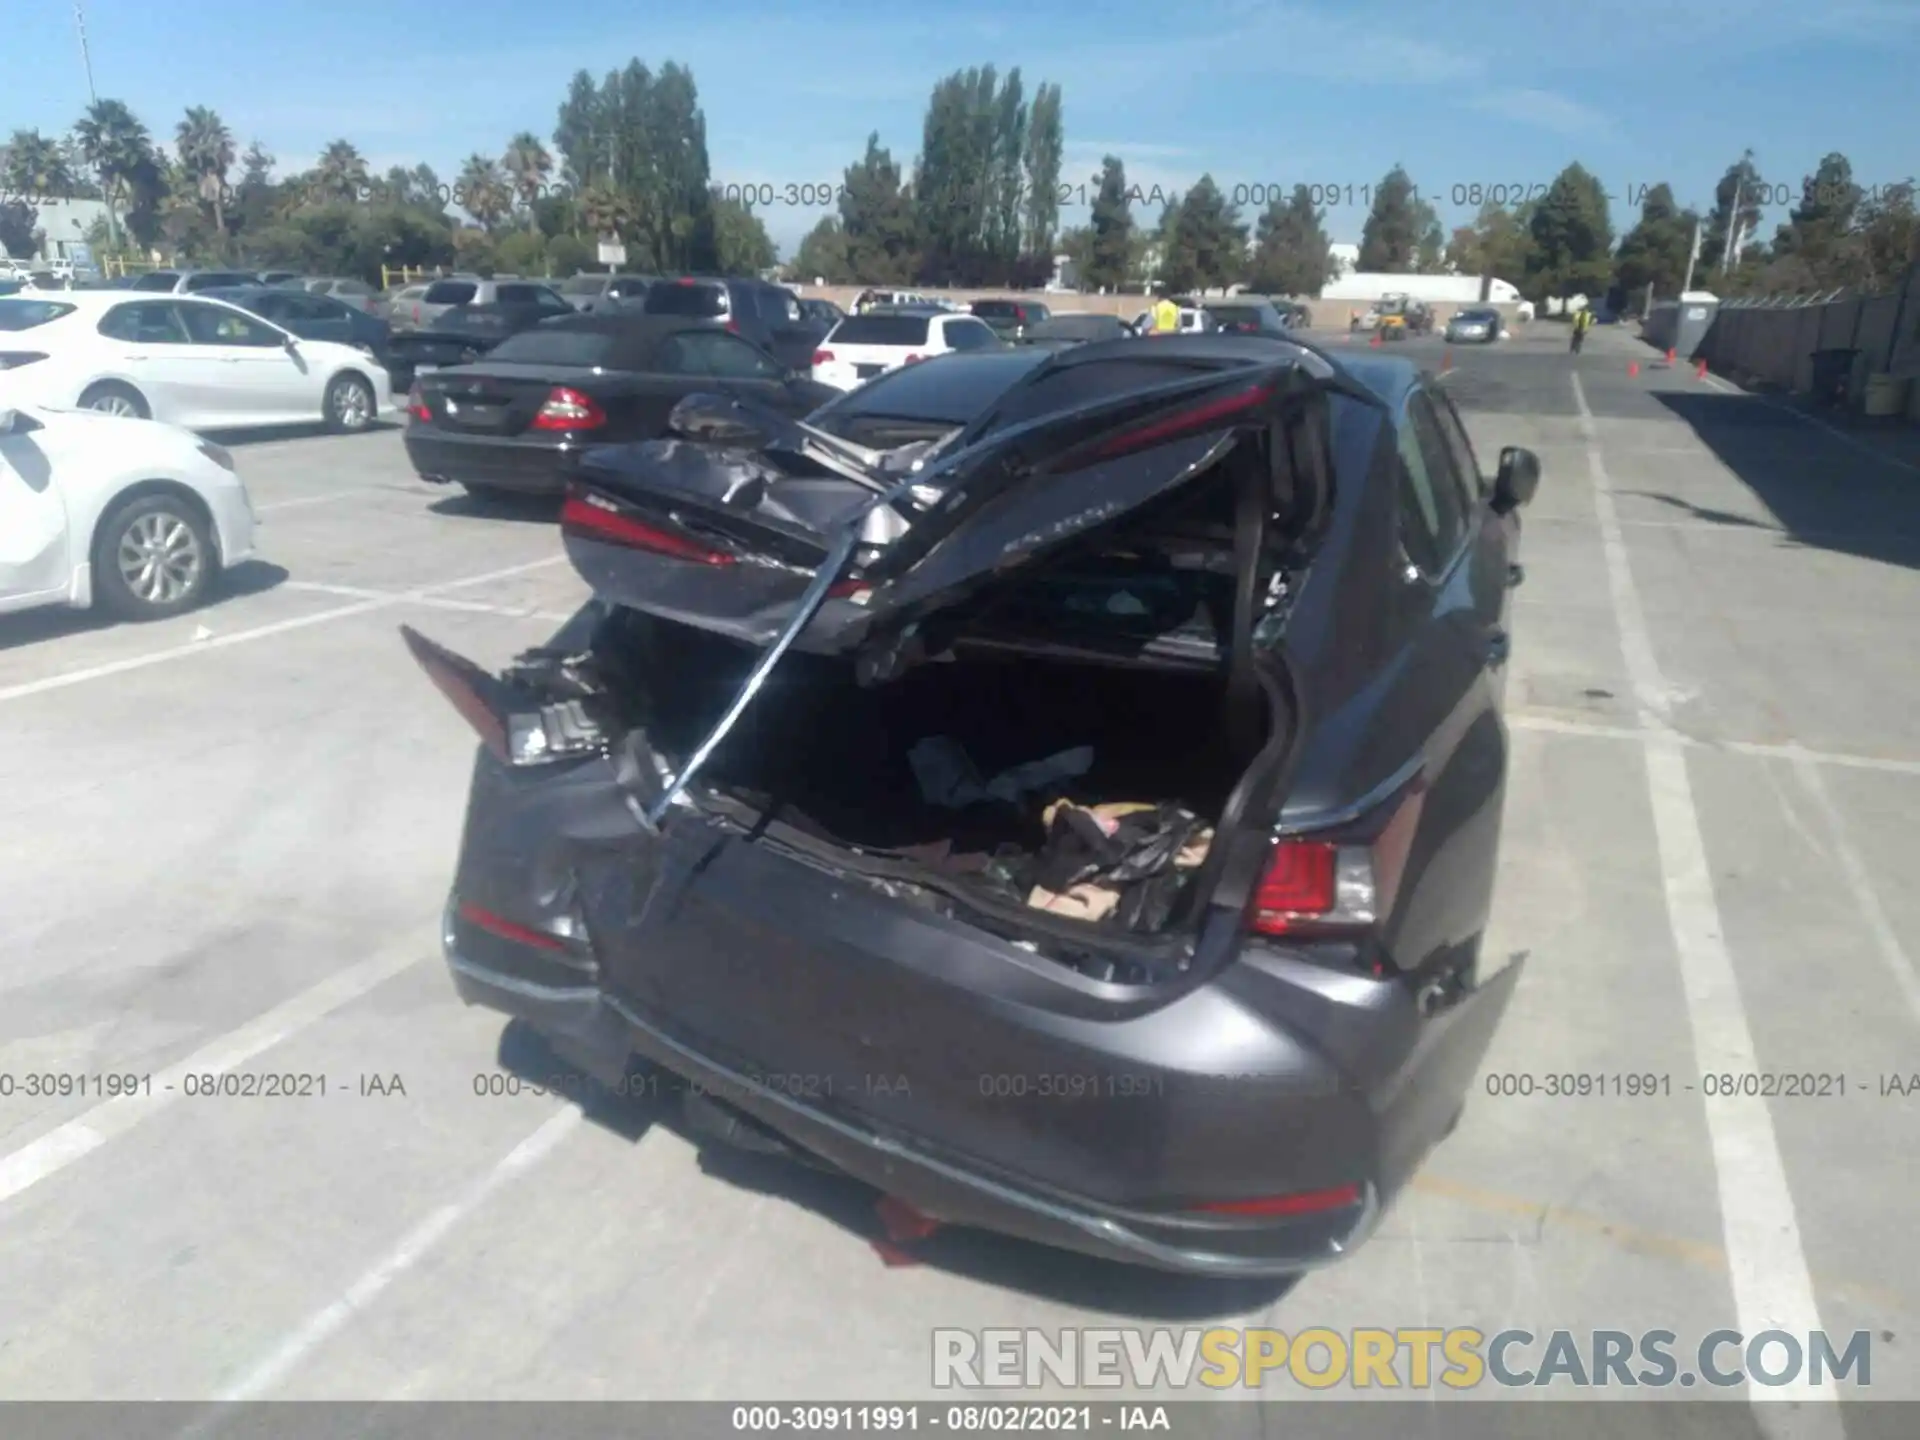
<point x="496" y="397"/>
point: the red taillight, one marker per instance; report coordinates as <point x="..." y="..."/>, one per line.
<point x="417" y="403"/>
<point x="507" y="929"/>
<point x="823" y="357"/>
<point x="733" y="327"/>
<point x="915" y="359"/>
<point x="1210" y="416"/>
<point x="567" y="409"/>
<point x="1304" y="1202"/>
<point x="1298" y="885"/>
<point x="594" y="520"/>
<point x="683" y="280"/>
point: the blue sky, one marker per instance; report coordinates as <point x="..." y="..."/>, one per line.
<point x="1494" y="92"/>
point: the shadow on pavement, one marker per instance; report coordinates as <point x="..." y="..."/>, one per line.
<point x="34" y="627"/>
<point x="1057" y="1275"/>
<point x="239" y="439"/>
<point x="505" y="506"/>
<point x="1826" y="493"/>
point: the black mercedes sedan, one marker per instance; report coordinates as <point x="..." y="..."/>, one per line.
<point x="518" y="419"/>
<point x="461" y="333"/>
<point x="1081" y="825"/>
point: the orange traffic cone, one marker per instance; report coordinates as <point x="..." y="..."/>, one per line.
<point x="1375" y="341"/>
<point x="1633" y="368"/>
<point x="1700" y="371"/>
<point x="1446" y="362"/>
<point x="1669" y="355"/>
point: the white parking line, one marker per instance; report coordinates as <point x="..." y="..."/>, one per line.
<point x="273" y="505"/>
<point x="258" y="632"/>
<point x="432" y="602"/>
<point x="1766" y="1261"/>
<point x="1866" y="899"/>
<point x="1558" y="725"/>
<point x="60" y="1147"/>
<point x="324" y="1323"/>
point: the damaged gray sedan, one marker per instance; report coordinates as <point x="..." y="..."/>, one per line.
<point x="1078" y="821"/>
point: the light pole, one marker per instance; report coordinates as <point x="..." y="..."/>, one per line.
<point x="93" y="95"/>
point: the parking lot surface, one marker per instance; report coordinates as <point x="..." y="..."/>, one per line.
<point x="228" y="839"/>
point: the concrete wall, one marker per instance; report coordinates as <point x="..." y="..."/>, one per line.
<point x="1327" y="314"/>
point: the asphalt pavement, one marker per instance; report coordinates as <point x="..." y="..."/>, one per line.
<point x="227" y="839"/>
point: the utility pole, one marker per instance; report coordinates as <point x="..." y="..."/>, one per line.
<point x="93" y="95"/>
<point x="1733" y="215"/>
<point x="1692" y="258"/>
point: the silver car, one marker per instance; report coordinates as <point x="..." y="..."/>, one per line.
<point x="442" y="295"/>
<point x="348" y="291"/>
<point x="1474" y="327"/>
<point x="598" y="292"/>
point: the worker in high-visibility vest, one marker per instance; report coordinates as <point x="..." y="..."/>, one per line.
<point x="1166" y="317"/>
<point x="1582" y="322"/>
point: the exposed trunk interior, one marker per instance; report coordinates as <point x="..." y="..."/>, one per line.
<point x="821" y="754"/>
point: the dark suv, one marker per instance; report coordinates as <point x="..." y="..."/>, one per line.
<point x="768" y="315"/>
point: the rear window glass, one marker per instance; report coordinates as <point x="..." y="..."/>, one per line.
<point x="450" y="292"/>
<point x="701" y="302"/>
<point x="522" y="294"/>
<point x="881" y="330"/>
<point x="993" y="309"/>
<point x="583" y="285"/>
<point x="545" y="346"/>
<point x="25" y="314"/>
<point x="1080" y="384"/>
<point x="218" y="279"/>
<point x="953" y="392"/>
<point x="1078" y="327"/>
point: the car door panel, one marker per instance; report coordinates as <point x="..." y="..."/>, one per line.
<point x="35" y="564"/>
<point x="147" y="343"/>
<point x="262" y="380"/>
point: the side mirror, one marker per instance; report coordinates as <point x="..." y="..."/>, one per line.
<point x="292" y="342"/>
<point x="6" y="422"/>
<point x="1518" y="478"/>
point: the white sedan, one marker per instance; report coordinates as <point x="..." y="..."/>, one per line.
<point x="863" y="346"/>
<point x="136" y="517"/>
<point x="182" y="359"/>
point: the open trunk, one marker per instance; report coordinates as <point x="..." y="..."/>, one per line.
<point x="948" y="777"/>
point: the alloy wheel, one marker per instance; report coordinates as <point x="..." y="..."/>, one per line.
<point x="352" y="406"/>
<point x="159" y="558"/>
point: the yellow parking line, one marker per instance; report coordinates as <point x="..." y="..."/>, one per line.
<point x="1697" y="1253"/>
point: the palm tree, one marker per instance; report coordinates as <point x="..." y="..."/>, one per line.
<point x="606" y="212"/>
<point x="341" y="173"/>
<point x="35" y="167"/>
<point x="206" y="154"/>
<point x="528" y="165"/>
<point x="116" y="145"/>
<point x="483" y="191"/>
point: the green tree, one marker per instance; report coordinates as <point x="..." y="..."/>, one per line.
<point x="568" y="254"/>
<point x="1655" y="251"/>
<point x="521" y="252"/>
<point x="608" y="215"/>
<point x="740" y="238"/>
<point x="1110" y="257"/>
<point x="256" y="202"/>
<point x="118" y="148"/>
<point x="1429" y="249"/>
<point x="823" y="254"/>
<point x="483" y="191"/>
<point x="20" y="234"/>
<point x="878" y="219"/>
<point x="1390" y="242"/>
<point x="1046" y="140"/>
<point x="1171" y="266"/>
<point x="528" y="167"/>
<point x="1572" y="238"/>
<point x="1292" y="255"/>
<point x="580" y="133"/>
<point x="971" y="182"/>
<point x="1741" y="184"/>
<point x="1814" y="248"/>
<point x="1494" y="247"/>
<point x="341" y="174"/>
<point x="206" y="155"/>
<point x="1207" y="242"/>
<point x="1887" y="237"/>
<point x="36" y="167"/>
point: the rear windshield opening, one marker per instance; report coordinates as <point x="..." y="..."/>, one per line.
<point x="583" y="285"/>
<point x="881" y="330"/>
<point x="701" y="302"/>
<point x="585" y="348"/>
<point x="450" y="292"/>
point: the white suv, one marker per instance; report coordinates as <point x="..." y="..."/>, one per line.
<point x="863" y="346"/>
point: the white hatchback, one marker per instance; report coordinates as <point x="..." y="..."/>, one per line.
<point x="136" y="517"/>
<point x="181" y="359"/>
<point x="863" y="346"/>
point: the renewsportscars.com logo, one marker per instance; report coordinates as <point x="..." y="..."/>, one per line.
<point x="1390" y="1359"/>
